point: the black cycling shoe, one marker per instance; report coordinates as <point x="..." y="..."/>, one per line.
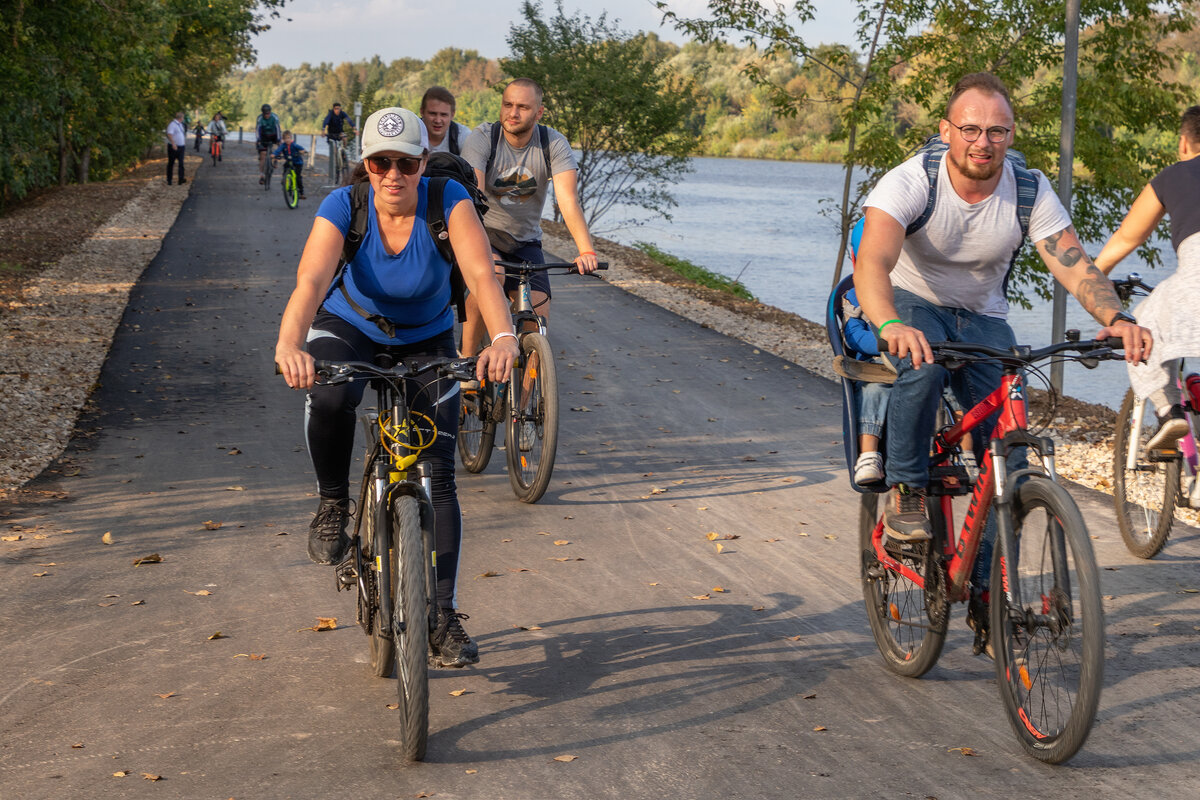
<point x="327" y="539"/>
<point x="450" y="645"/>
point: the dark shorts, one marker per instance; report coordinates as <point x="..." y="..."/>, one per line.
<point x="530" y="252"/>
<point x="266" y="144"/>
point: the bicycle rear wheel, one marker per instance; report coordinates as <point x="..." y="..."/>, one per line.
<point x="373" y="539"/>
<point x="907" y="619"/>
<point x="414" y="605"/>
<point x="1049" y="654"/>
<point x="476" y="428"/>
<point x="1144" y="496"/>
<point x="532" y="436"/>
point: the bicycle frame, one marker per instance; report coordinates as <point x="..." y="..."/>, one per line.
<point x="1187" y="445"/>
<point x="994" y="484"/>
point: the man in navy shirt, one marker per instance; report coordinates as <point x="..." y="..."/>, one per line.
<point x="335" y="121"/>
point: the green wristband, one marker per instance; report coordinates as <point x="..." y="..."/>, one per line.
<point x="889" y="322"/>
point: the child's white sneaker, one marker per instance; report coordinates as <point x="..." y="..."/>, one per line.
<point x="868" y="468"/>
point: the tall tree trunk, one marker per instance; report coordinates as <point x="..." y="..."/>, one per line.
<point x="64" y="154"/>
<point x="83" y="163"/>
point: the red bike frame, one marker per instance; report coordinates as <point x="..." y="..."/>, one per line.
<point x="1009" y="397"/>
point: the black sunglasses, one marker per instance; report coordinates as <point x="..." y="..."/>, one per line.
<point x="382" y="165"/>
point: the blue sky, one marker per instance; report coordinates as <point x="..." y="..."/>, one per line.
<point x="351" y="30"/>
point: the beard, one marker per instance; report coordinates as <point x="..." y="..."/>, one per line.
<point x="978" y="172"/>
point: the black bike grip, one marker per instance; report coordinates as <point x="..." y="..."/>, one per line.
<point x="1114" y="343"/>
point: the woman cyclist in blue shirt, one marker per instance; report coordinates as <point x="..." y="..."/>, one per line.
<point x="397" y="273"/>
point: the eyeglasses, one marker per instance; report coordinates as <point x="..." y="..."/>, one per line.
<point x="382" y="165"/>
<point x="995" y="134"/>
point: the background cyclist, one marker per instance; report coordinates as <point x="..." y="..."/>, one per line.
<point x="333" y="127"/>
<point x="293" y="152"/>
<point x="217" y="129"/>
<point x="267" y="129"/>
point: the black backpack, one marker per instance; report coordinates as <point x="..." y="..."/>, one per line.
<point x="440" y="168"/>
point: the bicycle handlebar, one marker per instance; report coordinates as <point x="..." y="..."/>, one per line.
<point x="525" y="268"/>
<point x="333" y="372"/>
<point x="1130" y="286"/>
<point x="1024" y="355"/>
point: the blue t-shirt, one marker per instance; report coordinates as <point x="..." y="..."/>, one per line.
<point x="410" y="288"/>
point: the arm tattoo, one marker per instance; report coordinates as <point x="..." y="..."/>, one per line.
<point x="1095" y="293"/>
<point x="1070" y="256"/>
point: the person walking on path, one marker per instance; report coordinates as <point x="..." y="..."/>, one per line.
<point x="516" y="160"/>
<point x="1170" y="310"/>
<point x="437" y="112"/>
<point x="176" y="146"/>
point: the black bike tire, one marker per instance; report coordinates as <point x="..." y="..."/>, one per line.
<point x="530" y="488"/>
<point x="1144" y="537"/>
<point x="1087" y="627"/>
<point x="269" y="168"/>
<point x="908" y="656"/>
<point x="291" y="194"/>
<point x="382" y="644"/>
<point x="477" y="431"/>
<point x="412" y="610"/>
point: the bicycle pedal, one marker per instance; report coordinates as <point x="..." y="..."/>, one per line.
<point x="347" y="575"/>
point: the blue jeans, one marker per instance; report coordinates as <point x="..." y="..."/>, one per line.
<point x="916" y="394"/>
<point x="872" y="407"/>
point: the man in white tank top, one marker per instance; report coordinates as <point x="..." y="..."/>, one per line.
<point x="946" y="281"/>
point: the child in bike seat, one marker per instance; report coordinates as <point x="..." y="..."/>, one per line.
<point x="872" y="398"/>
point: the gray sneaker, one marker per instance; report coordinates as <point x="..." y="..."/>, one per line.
<point x="1172" y="427"/>
<point x="904" y="516"/>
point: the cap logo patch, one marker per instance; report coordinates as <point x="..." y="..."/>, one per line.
<point x="390" y="125"/>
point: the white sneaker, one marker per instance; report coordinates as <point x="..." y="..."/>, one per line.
<point x="868" y="468"/>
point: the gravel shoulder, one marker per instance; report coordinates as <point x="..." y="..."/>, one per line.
<point x="66" y="270"/>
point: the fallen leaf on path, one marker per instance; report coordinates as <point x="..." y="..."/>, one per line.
<point x="660" y="490"/>
<point x="165" y="696"/>
<point x="77" y="746"/>
<point x="121" y="773"/>
<point x="252" y="656"/>
<point x="560" y="542"/>
<point x="774" y="539"/>
<point x="211" y="525"/>
<point x="40" y="574"/>
<point x="151" y="777"/>
<point x="488" y="574"/>
<point x="528" y="627"/>
<point x="700" y="597"/>
<point x="966" y="751"/>
<point x="712" y="536"/>
<point x="720" y="547"/>
<point x="812" y="696"/>
<point x="233" y="451"/>
<point x="719" y="589"/>
<point x="820" y="728"/>
<point x="235" y="488"/>
<point x="138" y="603"/>
<point x="201" y="593"/>
<point x="759" y="608"/>
<point x="459" y="692"/>
<point x="153" y="558"/>
<point x="323" y="624"/>
<point x="565" y="759"/>
<point x="472" y="771"/>
<point x="795" y="638"/>
<point x="16" y="537"/>
<point x="217" y="635"/>
<point x="392" y="706"/>
<point x="107" y="538"/>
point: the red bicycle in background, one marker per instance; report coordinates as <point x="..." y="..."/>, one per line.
<point x="1043" y="621"/>
<point x="214" y="148"/>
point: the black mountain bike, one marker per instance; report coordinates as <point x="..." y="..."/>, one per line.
<point x="527" y="404"/>
<point x="392" y="562"/>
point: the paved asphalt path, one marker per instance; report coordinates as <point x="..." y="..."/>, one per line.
<point x="769" y="688"/>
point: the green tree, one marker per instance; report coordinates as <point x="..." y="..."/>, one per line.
<point x="914" y="50"/>
<point x="625" y="110"/>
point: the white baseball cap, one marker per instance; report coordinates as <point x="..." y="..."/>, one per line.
<point x="394" y="129"/>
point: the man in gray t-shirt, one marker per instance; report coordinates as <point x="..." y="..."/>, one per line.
<point x="518" y="177"/>
<point x="946" y="281"/>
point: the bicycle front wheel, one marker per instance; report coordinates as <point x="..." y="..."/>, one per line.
<point x="1050" y="653"/>
<point x="908" y="616"/>
<point x="267" y="174"/>
<point x="476" y="428"/>
<point x="291" y="194"/>
<point x="1144" y="495"/>
<point x="532" y="436"/>
<point x="411" y="621"/>
<point x="374" y="538"/>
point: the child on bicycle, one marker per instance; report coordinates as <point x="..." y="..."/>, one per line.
<point x="295" y="153"/>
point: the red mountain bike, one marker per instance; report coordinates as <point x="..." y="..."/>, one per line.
<point x="1045" y="624"/>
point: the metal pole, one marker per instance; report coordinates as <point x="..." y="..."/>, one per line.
<point x="1066" y="163"/>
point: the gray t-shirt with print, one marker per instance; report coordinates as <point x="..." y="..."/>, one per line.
<point x="517" y="184"/>
<point x="960" y="257"/>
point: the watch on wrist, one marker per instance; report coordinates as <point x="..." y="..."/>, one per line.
<point x="1122" y="315"/>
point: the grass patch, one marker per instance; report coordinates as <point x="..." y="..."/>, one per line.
<point x="11" y="269"/>
<point x="696" y="274"/>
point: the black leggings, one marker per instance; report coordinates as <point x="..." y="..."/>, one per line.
<point x="330" y="420"/>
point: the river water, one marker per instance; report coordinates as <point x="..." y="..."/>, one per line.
<point x="760" y="221"/>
